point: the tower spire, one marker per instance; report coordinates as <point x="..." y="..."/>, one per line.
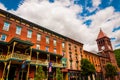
<point x="101" y="34"/>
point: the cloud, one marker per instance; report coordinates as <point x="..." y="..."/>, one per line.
<point x="96" y="3"/>
<point x="61" y="17"/>
<point x="2" y="6"/>
<point x="107" y="19"/>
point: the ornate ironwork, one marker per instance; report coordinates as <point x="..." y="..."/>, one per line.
<point x="18" y="56"/>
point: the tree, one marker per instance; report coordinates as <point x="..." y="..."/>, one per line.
<point x="111" y="71"/>
<point x="59" y="75"/>
<point x="117" y="56"/>
<point x="87" y="68"/>
<point x="40" y="74"/>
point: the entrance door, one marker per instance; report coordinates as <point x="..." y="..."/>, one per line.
<point x="11" y="75"/>
<point x="22" y="75"/>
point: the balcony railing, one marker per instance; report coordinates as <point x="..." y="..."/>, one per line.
<point x="57" y="65"/>
<point x="18" y="56"/>
<point x="45" y="63"/>
<point x="39" y="62"/>
<point x="2" y="57"/>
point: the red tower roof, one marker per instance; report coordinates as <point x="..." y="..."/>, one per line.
<point x="101" y="34"/>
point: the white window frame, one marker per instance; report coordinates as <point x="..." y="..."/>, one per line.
<point x="63" y="45"/>
<point x="47" y="40"/>
<point x="6" y="28"/>
<point x="5" y="37"/>
<point x="29" y="34"/>
<point x="38" y="37"/>
<point x="18" y="30"/>
<point x="37" y="46"/>
<point x="54" y="42"/>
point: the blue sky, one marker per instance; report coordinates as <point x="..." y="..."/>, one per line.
<point x="86" y="15"/>
<point x="9" y="4"/>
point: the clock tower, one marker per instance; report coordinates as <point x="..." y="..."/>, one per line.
<point x="105" y="47"/>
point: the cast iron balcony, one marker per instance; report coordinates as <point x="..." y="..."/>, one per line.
<point x="39" y="62"/>
<point x="2" y="57"/>
<point x="17" y="56"/>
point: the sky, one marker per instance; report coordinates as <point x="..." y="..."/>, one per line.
<point x="80" y="20"/>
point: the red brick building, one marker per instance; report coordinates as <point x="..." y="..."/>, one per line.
<point x="74" y="50"/>
<point x="23" y="42"/>
<point x="105" y="51"/>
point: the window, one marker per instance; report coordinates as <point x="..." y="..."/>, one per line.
<point x="37" y="46"/>
<point x="47" y="48"/>
<point x="29" y="34"/>
<point x="18" y="30"/>
<point x="70" y="64"/>
<point x="54" y="42"/>
<point x="6" y="26"/>
<point x="47" y="40"/>
<point x="38" y="37"/>
<point x="75" y="47"/>
<point x="63" y="45"/>
<point x="3" y="37"/>
<point x="80" y="50"/>
<point x="55" y="50"/>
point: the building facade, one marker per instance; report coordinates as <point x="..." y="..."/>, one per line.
<point x="74" y="50"/>
<point x="95" y="60"/>
<point x="23" y="42"/>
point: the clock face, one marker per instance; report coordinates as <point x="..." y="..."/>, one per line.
<point x="103" y="47"/>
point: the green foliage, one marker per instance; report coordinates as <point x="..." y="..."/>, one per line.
<point x="59" y="75"/>
<point x="40" y="74"/>
<point x="111" y="70"/>
<point x="117" y="56"/>
<point x="86" y="67"/>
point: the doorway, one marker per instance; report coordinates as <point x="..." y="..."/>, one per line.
<point x="11" y="75"/>
<point x="22" y="75"/>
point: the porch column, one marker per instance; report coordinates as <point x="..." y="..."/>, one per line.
<point x="28" y="71"/>
<point x="89" y="78"/>
<point x="4" y="70"/>
<point x="8" y="67"/>
<point x="93" y="76"/>
<point x="13" y="47"/>
<point x="56" y="67"/>
<point x="37" y="61"/>
<point x="8" y="50"/>
<point x="30" y="52"/>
